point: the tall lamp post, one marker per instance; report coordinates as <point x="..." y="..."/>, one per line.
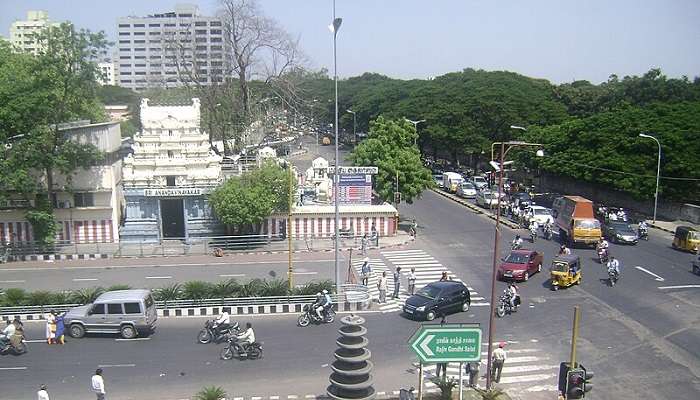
<point x="415" y="126"/>
<point x="334" y="27"/>
<point x="354" y="121"/>
<point x="505" y="147"/>
<point x="658" y="172"/>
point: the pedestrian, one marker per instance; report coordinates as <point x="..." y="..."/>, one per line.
<point x="412" y="281"/>
<point x="497" y="361"/>
<point x="51" y="327"/>
<point x="473" y="371"/>
<point x="365" y="244"/>
<point x="441" y="366"/>
<point x="397" y="283"/>
<point x="375" y="235"/>
<point x="98" y="384"/>
<point x="42" y="394"/>
<point x="60" y="337"/>
<point x="382" y="285"/>
<point x="444" y="277"/>
<point x="366" y="271"/>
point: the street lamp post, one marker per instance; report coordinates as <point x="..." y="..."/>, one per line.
<point x="505" y="147"/>
<point x="415" y="126"/>
<point x="354" y="121"/>
<point x="658" y="172"/>
<point x="334" y="27"/>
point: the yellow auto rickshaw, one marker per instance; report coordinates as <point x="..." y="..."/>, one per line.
<point x="565" y="271"/>
<point x="686" y="238"/>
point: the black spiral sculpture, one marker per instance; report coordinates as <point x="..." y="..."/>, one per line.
<point x="352" y="371"/>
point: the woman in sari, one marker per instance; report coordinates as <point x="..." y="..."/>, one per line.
<point x="51" y="327"/>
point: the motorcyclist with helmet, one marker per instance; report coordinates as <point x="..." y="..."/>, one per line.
<point x="516" y="243"/>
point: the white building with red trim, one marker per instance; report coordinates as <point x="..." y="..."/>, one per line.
<point x="87" y="205"/>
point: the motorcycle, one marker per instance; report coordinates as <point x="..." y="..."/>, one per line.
<point x="309" y="315"/>
<point x="208" y="334"/>
<point x="613" y="276"/>
<point x="504" y="306"/>
<point x="252" y="351"/>
<point x="533" y="235"/>
<point x="602" y="255"/>
<point x="547" y="232"/>
<point x="17" y="345"/>
<point x="643" y="233"/>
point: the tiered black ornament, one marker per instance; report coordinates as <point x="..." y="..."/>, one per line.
<point x="352" y="371"/>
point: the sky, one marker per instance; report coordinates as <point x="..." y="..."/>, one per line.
<point x="558" y="40"/>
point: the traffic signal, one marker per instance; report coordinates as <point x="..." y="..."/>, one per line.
<point x="575" y="382"/>
<point x="397" y="197"/>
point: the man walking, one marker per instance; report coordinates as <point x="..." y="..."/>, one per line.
<point x="499" y="358"/>
<point x="397" y="283"/>
<point x="365" y="244"/>
<point x="382" y="286"/>
<point x="441" y="367"/>
<point x="473" y="371"/>
<point x="412" y="281"/>
<point x="42" y="394"/>
<point x="366" y="270"/>
<point x="98" y="384"/>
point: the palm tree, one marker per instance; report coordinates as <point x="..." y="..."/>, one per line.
<point x="168" y="293"/>
<point x="275" y="287"/>
<point x="14" y="297"/>
<point x="39" y="298"/>
<point x="252" y="288"/>
<point x="227" y="288"/>
<point x="492" y="394"/>
<point x="211" y="393"/>
<point x="196" y="290"/>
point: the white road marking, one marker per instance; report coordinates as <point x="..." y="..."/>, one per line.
<point x="526" y="378"/>
<point x="36" y="340"/>
<point x="12" y="368"/>
<point x="528" y="368"/>
<point x="63" y="268"/>
<point x="306" y="273"/>
<point x="680" y="287"/>
<point x="12" y="281"/>
<point x="84" y="279"/>
<point x="657" y="278"/>
<point x="159" y="277"/>
<point x="292" y="397"/>
<point x="141" y="339"/>
<point x="542" y="388"/>
<point x="115" y="365"/>
<point x="231" y="275"/>
<point x="274" y="398"/>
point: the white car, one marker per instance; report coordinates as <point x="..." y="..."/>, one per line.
<point x="486" y="199"/>
<point x="540" y="214"/>
<point x="479" y="182"/>
<point x="466" y="190"/>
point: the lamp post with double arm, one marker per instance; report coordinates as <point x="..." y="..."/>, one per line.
<point x="334" y="27"/>
<point x="658" y="171"/>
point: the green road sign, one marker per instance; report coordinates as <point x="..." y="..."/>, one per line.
<point x="435" y="344"/>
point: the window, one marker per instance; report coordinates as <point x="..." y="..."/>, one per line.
<point x="139" y="65"/>
<point x="171" y="154"/>
<point x="139" y="25"/>
<point x="125" y="81"/>
<point x="126" y="72"/>
<point x="140" y="49"/>
<point x="215" y="23"/>
<point x="124" y="65"/>
<point x="125" y="57"/>
<point x="124" y="25"/>
<point x="216" y="48"/>
<point x="155" y="57"/>
<point x="124" y="33"/>
<point x="132" y="308"/>
<point x="139" y="33"/>
<point x="84" y="199"/>
<point x="215" y="31"/>
<point x="170" y="132"/>
<point x="140" y="57"/>
<point x="216" y="63"/>
<point x="154" y="33"/>
<point x="155" y="65"/>
<point x="124" y="49"/>
<point x="169" y="25"/>
<point x="184" y="25"/>
<point x="200" y="23"/>
<point x="154" y="25"/>
<point x="201" y="31"/>
<point x="124" y="41"/>
<point x="201" y="40"/>
<point x="170" y="180"/>
<point x="97" y="309"/>
<point x="139" y="41"/>
<point x="156" y="49"/>
<point x="216" y="40"/>
<point x="201" y="48"/>
<point x="140" y="73"/>
<point x="114" y="308"/>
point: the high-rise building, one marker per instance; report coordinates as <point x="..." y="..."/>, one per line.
<point x="163" y="49"/>
<point x="23" y="34"/>
<point x="107" y="69"/>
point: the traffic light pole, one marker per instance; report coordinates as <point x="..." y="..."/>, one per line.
<point x="574" y="335"/>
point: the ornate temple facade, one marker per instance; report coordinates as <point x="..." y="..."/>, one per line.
<point x="168" y="176"/>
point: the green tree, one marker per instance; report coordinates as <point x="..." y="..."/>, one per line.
<point x="211" y="393"/>
<point x="244" y="202"/>
<point x="390" y="147"/>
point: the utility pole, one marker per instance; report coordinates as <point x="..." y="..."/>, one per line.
<point x="290" y="269"/>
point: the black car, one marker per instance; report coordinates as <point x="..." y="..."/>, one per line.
<point x="620" y="232"/>
<point x="438" y="298"/>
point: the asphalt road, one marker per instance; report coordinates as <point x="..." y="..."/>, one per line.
<point x="641" y="337"/>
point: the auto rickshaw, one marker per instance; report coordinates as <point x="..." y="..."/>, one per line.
<point x="686" y="238"/>
<point x="565" y="271"/>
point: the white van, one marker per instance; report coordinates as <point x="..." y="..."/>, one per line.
<point x="451" y="181"/>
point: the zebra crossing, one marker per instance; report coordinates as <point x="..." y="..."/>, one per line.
<point x="428" y="270"/>
<point x="528" y="370"/>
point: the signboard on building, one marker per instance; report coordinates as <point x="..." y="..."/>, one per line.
<point x="355" y="189"/>
<point x="173" y="192"/>
<point x="355" y="170"/>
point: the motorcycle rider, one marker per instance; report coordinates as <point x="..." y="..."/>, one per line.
<point x="245" y="339"/>
<point x="534" y="227"/>
<point x="517" y="242"/>
<point x="564" y="251"/>
<point x="602" y="246"/>
<point x="643" y="228"/>
<point x="222" y="323"/>
<point x="547" y="230"/>
<point x="319" y="305"/>
<point x="7" y="333"/>
<point x="327" y="301"/>
<point x="513" y="295"/>
<point x="614" y="266"/>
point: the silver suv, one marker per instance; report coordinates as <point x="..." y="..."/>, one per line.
<point x="127" y="312"/>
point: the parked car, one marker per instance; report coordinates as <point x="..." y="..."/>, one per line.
<point x="520" y="265"/>
<point x="479" y="182"/>
<point x="486" y="199"/>
<point x="620" y="232"/>
<point x="540" y="214"/>
<point x="466" y="190"/>
<point x="438" y="181"/>
<point x="438" y="298"/>
<point x="127" y="312"/>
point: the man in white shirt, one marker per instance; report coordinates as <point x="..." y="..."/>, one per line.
<point x="412" y="281"/>
<point x="222" y="323"/>
<point x="245" y="339"/>
<point x="498" y="359"/>
<point x="8" y="332"/>
<point x="42" y="394"/>
<point x="98" y="384"/>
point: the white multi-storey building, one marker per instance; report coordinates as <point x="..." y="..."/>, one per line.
<point x="88" y="204"/>
<point x="167" y="178"/>
<point x="23" y="34"/>
<point x="152" y="49"/>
